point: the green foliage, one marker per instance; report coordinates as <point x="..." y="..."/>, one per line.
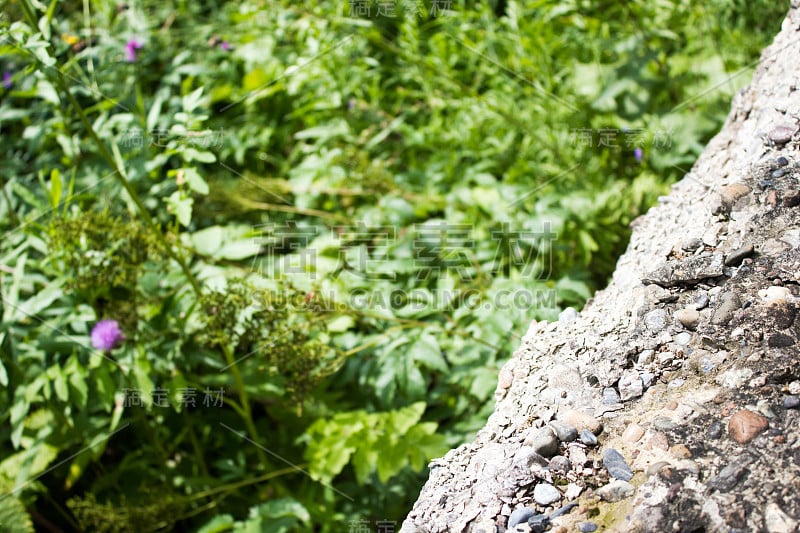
<point x="372" y="442"/>
<point x="321" y="233"/>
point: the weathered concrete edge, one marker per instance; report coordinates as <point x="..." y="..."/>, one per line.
<point x="607" y="316"/>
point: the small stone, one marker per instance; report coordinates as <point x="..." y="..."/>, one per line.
<point x="692" y="244"/>
<point x="567" y="315"/>
<point x="656" y="320"/>
<point x="655" y="468"/>
<point x="581" y="421"/>
<point x="520" y="516"/>
<point x="632" y="433"/>
<point x="700" y="300"/>
<point x="588" y="438"/>
<point x="505" y="378"/>
<point x="616" y="465"/>
<point x="683" y="338"/>
<point x="664" y="423"/>
<point x="658" y="441"/>
<point x="781" y="162"/>
<point x="526" y="457"/>
<point x="587" y="527"/>
<point x="729" y="303"/>
<point x="484" y="526"/>
<point x="791" y="402"/>
<point x="630" y="385"/>
<point x="780" y="340"/>
<point x="794" y="388"/>
<point x="564" y="431"/>
<point x="774" y="293"/>
<point x="573" y="491"/>
<point x="680" y="451"/>
<point x="610" y="396"/>
<point x="746" y="425"/>
<point x="543" y="441"/>
<point x="729" y="476"/>
<point x="736" y="257"/>
<point x="777" y="521"/>
<point x="778" y="173"/>
<point x="615" y="491"/>
<point x="559" y="463"/>
<point x="689" y="318"/>
<point x="782" y="133"/>
<point x="675" y="383"/>
<point x="734" y="378"/>
<point x="729" y="195"/>
<point x="714" y="430"/>
<point x="545" y="494"/>
<point x="645" y="357"/>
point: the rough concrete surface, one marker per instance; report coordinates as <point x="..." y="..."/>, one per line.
<point x="687" y="365"/>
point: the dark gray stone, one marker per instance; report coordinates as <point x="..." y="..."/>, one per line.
<point x="544" y="442"/>
<point x="791" y="402"/>
<point x="616" y="465"/>
<point x="729" y="476"/>
<point x="564" y="431"/>
<point x="587" y="527"/>
<point x="736" y="257"/>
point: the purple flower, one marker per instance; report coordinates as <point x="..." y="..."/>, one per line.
<point x="106" y="335"/>
<point x="130" y="49"/>
<point x="7" y="83"/>
<point x="637" y="153"/>
<point x="225" y="45"/>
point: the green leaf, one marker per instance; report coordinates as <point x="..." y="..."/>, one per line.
<point x="181" y="206"/>
<point x="56" y="188"/>
<point x="195" y="181"/>
<point x="218" y="524"/>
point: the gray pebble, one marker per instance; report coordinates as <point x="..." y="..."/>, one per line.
<point x="564" y="431"/>
<point x="779" y="173"/>
<point x="791" y="402"/>
<point x="544" y="442"/>
<point x="664" y="424"/>
<point x="715" y="430"/>
<point x="781" y="161"/>
<point x="520" y="516"/>
<point x="616" y="465"/>
<point x="615" y="491"/>
<point x="656" y="320"/>
<point x="588" y="438"/>
<point x="690" y="245"/>
<point x="728" y="477"/>
<point x="559" y="463"/>
<point x="701" y="300"/>
<point x="647" y="378"/>
<point x="587" y="527"/>
<point x="610" y="396"/>
<point x="545" y="494"/>
<point x="736" y="257"/>
<point x="683" y="338"/>
<point x="729" y="303"/>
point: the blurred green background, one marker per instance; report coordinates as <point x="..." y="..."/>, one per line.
<point x="321" y="227"/>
